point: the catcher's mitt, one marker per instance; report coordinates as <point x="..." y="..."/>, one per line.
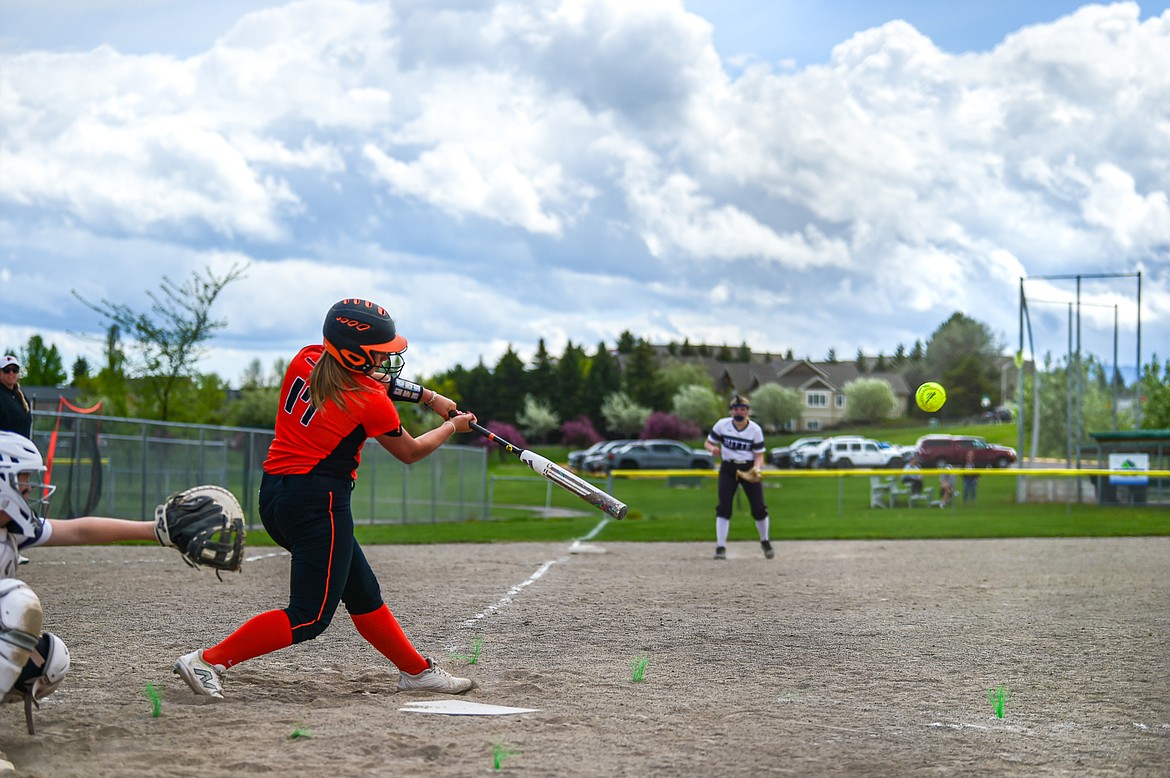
<point x="206" y="524"/>
<point x="752" y="475"/>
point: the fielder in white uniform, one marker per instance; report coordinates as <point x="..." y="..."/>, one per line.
<point x="739" y="443"/>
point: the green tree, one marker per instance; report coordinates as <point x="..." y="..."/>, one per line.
<point x="697" y="403"/>
<point x="745" y="353"/>
<point x="641" y="379"/>
<point x="860" y="361"/>
<point x="623" y="416"/>
<point x="1155" y="391"/>
<point x="569" y="399"/>
<point x="675" y="375"/>
<point x="602" y="378"/>
<point x="508" y="382"/>
<point x="962" y="355"/>
<point x="41" y="365"/>
<point x="626" y="342"/>
<point x="168" y="341"/>
<point x="724" y="354"/>
<point x="774" y="406"/>
<point x="537" y="419"/>
<point x="831" y="356"/>
<point x="541" y="378"/>
<point x="869" y="400"/>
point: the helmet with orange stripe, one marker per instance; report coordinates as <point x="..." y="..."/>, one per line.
<point x="361" y="336"/>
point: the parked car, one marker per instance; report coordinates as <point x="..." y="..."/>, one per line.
<point x="783" y="456"/>
<point x="846" y="451"/>
<point x="942" y="450"/>
<point x="578" y="456"/>
<point x="658" y="455"/>
<point x="596" y="461"/>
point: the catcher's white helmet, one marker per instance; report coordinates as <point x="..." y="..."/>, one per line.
<point x="22" y="487"/>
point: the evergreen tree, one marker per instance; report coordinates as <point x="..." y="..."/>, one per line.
<point x="724" y="354"/>
<point x="541" y="377"/>
<point x="640" y="379"/>
<point x="509" y="382"/>
<point x="831" y="357"/>
<point x="687" y="349"/>
<point x="602" y="378"/>
<point x="569" y="399"/>
<point x="41" y="365"/>
<point x="626" y="343"/>
<point x="745" y="353"/>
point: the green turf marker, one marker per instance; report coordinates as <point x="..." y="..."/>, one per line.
<point x="500" y="752"/>
<point x="300" y="733"/>
<point x="638" y="668"/>
<point x="155" y="700"/>
<point x="998" y="697"/>
<point x="476" y="647"/>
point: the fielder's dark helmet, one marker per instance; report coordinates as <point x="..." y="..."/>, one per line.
<point x="355" y="329"/>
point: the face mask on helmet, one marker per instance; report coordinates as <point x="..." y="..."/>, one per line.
<point x="24" y="496"/>
<point x="388" y="368"/>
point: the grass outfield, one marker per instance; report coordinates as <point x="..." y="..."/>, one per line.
<point x="801" y="508"/>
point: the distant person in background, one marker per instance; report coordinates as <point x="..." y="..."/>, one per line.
<point x="970" y="478"/>
<point x="911" y="475"/>
<point x="946" y="488"/>
<point x="15" y="414"/>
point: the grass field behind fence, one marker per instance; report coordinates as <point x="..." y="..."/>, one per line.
<point x="802" y="507"/>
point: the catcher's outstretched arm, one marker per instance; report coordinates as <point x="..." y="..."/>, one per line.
<point x="96" y="530"/>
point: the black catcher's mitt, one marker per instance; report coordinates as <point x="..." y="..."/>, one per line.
<point x="206" y="524"/>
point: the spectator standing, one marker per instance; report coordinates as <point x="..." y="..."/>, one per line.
<point x="970" y="478"/>
<point x="15" y="414"/>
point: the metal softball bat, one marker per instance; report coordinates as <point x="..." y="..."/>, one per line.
<point x="559" y="475"/>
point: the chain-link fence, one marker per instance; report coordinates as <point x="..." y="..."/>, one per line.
<point x="109" y="466"/>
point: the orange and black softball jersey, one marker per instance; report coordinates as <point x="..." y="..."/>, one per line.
<point x="326" y="441"/>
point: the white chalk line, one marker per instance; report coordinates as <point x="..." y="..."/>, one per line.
<point x="507" y="599"/>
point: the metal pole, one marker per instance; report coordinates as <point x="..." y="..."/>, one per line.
<point x="1137" y="415"/>
<point x="1116" y="369"/>
<point x="1068" y="394"/>
<point x="1020" y="399"/>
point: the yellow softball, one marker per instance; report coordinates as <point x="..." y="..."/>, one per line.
<point x="930" y="396"/>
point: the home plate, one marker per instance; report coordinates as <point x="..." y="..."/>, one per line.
<point x="462" y="708"/>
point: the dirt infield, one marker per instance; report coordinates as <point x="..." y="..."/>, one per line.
<point x="835" y="658"/>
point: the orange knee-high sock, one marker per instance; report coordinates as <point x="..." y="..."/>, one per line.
<point x="259" y="635"/>
<point x="382" y="631"/>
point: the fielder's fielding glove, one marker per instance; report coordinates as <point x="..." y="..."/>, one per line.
<point x="751" y="475"/>
<point x="206" y="524"/>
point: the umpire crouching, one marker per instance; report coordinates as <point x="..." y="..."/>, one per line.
<point x="739" y="443"/>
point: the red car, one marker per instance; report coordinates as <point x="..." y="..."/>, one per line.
<point x="943" y="450"/>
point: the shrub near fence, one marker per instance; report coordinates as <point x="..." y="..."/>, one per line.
<point x="110" y="466"/>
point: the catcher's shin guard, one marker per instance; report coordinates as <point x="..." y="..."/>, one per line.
<point x="20" y="628"/>
<point x="42" y="674"/>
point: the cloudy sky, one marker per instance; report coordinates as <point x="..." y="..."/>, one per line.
<point x="792" y="175"/>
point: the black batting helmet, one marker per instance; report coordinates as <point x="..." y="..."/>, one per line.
<point x="355" y="329"/>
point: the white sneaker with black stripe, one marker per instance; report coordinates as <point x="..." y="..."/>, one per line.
<point x="200" y="675"/>
<point x="434" y="679"/>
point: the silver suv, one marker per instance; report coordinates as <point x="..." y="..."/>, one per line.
<point x="846" y="451"/>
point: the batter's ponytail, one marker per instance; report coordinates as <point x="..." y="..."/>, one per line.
<point x="330" y="380"/>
